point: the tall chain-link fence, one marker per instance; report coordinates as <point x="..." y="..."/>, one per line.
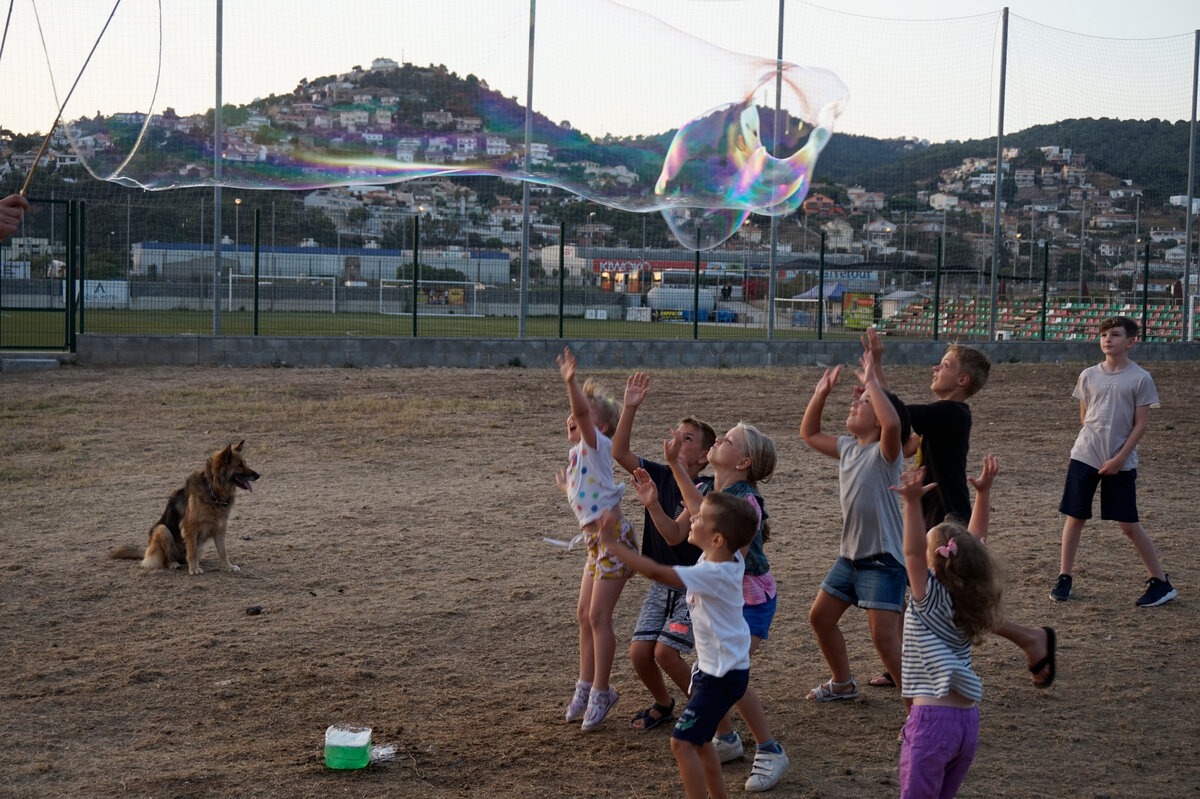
<point x="900" y="232"/>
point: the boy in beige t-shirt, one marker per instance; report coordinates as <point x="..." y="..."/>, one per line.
<point x="1114" y="406"/>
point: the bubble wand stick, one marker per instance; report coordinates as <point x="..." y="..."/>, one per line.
<point x="58" y="116"/>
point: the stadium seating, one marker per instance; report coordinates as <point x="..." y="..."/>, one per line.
<point x="968" y="318"/>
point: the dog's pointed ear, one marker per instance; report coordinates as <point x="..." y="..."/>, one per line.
<point x="238" y="448"/>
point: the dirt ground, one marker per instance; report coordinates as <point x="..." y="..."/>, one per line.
<point x="394" y="545"/>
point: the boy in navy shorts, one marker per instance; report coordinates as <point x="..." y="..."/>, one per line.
<point x="1115" y="397"/>
<point x="723" y="526"/>
<point x="664" y="629"/>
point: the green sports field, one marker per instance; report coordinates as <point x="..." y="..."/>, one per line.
<point x="48" y="329"/>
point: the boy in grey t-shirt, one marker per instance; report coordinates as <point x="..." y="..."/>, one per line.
<point x="1114" y="405"/>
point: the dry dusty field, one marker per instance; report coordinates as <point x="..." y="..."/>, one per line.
<point x="394" y="545"/>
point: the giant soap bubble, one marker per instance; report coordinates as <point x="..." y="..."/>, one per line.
<point x="660" y="120"/>
<point x="718" y="166"/>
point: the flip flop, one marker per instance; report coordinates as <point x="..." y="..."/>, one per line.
<point x="882" y="681"/>
<point x="665" y="713"/>
<point x="1051" y="645"/>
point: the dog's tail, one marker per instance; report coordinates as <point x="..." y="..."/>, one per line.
<point x="127" y="552"/>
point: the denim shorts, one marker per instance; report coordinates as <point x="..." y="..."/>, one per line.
<point x="759" y="617"/>
<point x="874" y="583"/>
<point x="1118" y="493"/>
<point x="710" y="700"/>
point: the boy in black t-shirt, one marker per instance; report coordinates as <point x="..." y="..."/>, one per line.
<point x="941" y="437"/>
<point x="664" y="629"/>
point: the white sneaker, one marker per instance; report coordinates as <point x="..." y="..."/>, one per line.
<point x="728" y="750"/>
<point x="599" y="703"/>
<point x="768" y="769"/>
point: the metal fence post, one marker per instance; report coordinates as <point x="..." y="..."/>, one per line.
<point x="257" y="220"/>
<point x="1146" y="291"/>
<point x="562" y="278"/>
<point x="1045" y="284"/>
<point x="937" y="288"/>
<point x="82" y="244"/>
<point x="821" y="290"/>
<point x="69" y="276"/>
<point x="416" y="267"/>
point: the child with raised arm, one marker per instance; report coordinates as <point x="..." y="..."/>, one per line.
<point x="955" y="600"/>
<point x="664" y="629"/>
<point x="1115" y="397"/>
<point x="596" y="499"/>
<point x="941" y="437"/>
<point x="723" y="526"/>
<point x="740" y="459"/>
<point x="869" y="571"/>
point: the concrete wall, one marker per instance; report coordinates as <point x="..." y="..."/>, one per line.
<point x="95" y="349"/>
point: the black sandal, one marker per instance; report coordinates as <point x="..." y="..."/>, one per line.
<point x="649" y="722"/>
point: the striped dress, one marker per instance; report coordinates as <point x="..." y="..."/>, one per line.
<point x="937" y="657"/>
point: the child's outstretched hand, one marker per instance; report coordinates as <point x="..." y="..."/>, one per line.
<point x="566" y="365"/>
<point x="866" y="369"/>
<point x="872" y="344"/>
<point x="560" y="479"/>
<point x="828" y="380"/>
<point x="647" y="492"/>
<point x="672" y="449"/>
<point x="991" y="468"/>
<point x="635" y="389"/>
<point x="912" y="487"/>
<point x="608" y="529"/>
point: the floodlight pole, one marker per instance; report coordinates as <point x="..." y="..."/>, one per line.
<point x="525" y="183"/>
<point x="773" y="260"/>
<point x="1189" y="324"/>
<point x="999" y="179"/>
<point x="218" y="135"/>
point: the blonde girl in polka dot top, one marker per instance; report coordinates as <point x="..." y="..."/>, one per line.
<point x="593" y="494"/>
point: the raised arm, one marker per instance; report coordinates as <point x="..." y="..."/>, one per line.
<point x="635" y="560"/>
<point x="635" y="393"/>
<point x="671" y="530"/>
<point x="873" y="350"/>
<point x="581" y="409"/>
<point x="916" y="564"/>
<point x="890" y="445"/>
<point x="810" y="425"/>
<point x="672" y="454"/>
<point x="981" y="512"/>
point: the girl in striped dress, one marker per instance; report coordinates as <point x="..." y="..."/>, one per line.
<point x="955" y="601"/>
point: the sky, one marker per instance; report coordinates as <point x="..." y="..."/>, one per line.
<point x="642" y="67"/>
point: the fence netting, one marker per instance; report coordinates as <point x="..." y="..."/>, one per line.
<point x="384" y="236"/>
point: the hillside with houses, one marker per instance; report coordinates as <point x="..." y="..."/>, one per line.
<point x="894" y="200"/>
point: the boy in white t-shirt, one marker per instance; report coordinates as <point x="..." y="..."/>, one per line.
<point x="1115" y="397"/>
<point x="725" y="525"/>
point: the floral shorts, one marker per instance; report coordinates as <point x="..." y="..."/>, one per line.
<point x="603" y="565"/>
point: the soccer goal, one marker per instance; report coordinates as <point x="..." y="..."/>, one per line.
<point x="434" y="297"/>
<point x="284" y="292"/>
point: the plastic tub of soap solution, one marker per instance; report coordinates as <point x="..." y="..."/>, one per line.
<point x="347" y="746"/>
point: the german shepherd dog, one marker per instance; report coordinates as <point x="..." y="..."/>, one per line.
<point x="195" y="514"/>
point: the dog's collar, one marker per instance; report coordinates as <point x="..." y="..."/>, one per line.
<point x="213" y="496"/>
